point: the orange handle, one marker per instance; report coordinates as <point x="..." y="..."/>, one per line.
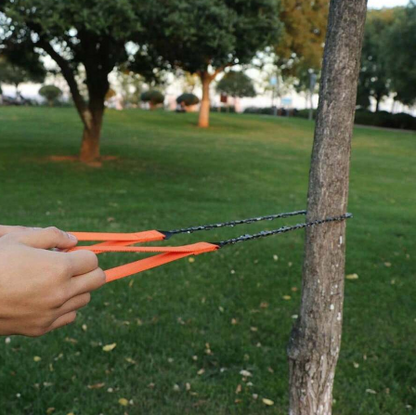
<point x="119" y="242"/>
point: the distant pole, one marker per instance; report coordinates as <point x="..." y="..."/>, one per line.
<point x="315" y="341"/>
<point x="273" y="83"/>
<point x="312" y="83"/>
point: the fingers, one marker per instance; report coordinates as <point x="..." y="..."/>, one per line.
<point x="63" y="320"/>
<point x="47" y="238"/>
<point x="4" y="230"/>
<point x="75" y="303"/>
<point x="87" y="282"/>
<point x="82" y="262"/>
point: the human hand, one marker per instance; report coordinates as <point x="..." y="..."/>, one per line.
<point x="41" y="290"/>
<point x="4" y="229"/>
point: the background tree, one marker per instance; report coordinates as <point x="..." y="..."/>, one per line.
<point x="236" y="84"/>
<point x="20" y="72"/>
<point x="76" y="34"/>
<point x="400" y="54"/>
<point x="374" y="81"/>
<point x="316" y="336"/>
<point x="301" y="45"/>
<point x="206" y="36"/>
<point x="51" y="93"/>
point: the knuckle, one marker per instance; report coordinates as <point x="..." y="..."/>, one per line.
<point x="37" y="332"/>
<point x="53" y="230"/>
<point x="92" y="258"/>
<point x="72" y="317"/>
<point x="101" y="276"/>
<point x="86" y="298"/>
<point x="63" y="266"/>
<point x="60" y="297"/>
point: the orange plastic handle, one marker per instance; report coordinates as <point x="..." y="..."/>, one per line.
<point x="137" y="237"/>
<point x="119" y="242"/>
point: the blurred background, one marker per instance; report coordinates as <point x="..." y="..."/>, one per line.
<point x="282" y="79"/>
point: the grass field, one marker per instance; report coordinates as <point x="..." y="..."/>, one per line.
<point x="173" y="321"/>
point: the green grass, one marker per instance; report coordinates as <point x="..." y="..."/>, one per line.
<point x="170" y="174"/>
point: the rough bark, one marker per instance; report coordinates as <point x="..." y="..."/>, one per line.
<point x="90" y="145"/>
<point x="203" y="121"/>
<point x="316" y="336"/>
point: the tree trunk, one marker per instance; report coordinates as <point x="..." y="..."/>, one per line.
<point x="378" y="99"/>
<point x="90" y="145"/>
<point x="316" y="336"/>
<point x="205" y="102"/>
<point x="92" y="113"/>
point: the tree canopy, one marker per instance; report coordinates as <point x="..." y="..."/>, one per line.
<point x="373" y="81"/>
<point x="15" y="73"/>
<point x="206" y="36"/>
<point x="50" y="92"/>
<point x="302" y="43"/>
<point x="400" y="54"/>
<point x="85" y="39"/>
<point x="236" y="84"/>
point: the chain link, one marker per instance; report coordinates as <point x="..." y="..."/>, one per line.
<point x="283" y="229"/>
<point x="233" y="223"/>
<point x="262" y="234"/>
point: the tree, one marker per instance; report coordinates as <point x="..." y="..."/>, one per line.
<point x="236" y="84"/>
<point x="400" y="55"/>
<point x="316" y="336"/>
<point x="76" y="34"/>
<point x="206" y="36"/>
<point x="301" y="46"/>
<point x="18" y="73"/>
<point x="153" y="97"/>
<point x="51" y="93"/>
<point x="373" y="81"/>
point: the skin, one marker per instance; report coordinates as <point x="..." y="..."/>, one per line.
<point x="41" y="288"/>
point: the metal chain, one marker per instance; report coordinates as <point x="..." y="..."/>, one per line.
<point x="283" y="229"/>
<point x="232" y="223"/>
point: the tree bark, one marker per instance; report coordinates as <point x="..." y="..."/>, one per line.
<point x="203" y="121"/>
<point x="90" y="145"/>
<point x="315" y="341"/>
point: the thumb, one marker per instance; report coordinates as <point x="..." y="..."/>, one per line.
<point x="47" y="238"/>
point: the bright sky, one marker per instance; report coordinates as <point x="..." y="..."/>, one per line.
<point x="378" y="4"/>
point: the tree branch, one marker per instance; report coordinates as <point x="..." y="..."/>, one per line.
<point x="69" y="76"/>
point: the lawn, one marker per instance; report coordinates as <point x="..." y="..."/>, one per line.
<point x="184" y="331"/>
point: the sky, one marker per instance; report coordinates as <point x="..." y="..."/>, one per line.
<point x="378" y="4"/>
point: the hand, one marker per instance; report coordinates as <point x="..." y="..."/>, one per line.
<point x="41" y="290"/>
<point x="4" y="230"/>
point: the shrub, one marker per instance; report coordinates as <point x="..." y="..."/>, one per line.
<point x="153" y="97"/>
<point x="385" y="119"/>
<point x="187" y="99"/>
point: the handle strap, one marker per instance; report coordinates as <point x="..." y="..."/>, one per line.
<point x="135" y="237"/>
<point x="167" y="254"/>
